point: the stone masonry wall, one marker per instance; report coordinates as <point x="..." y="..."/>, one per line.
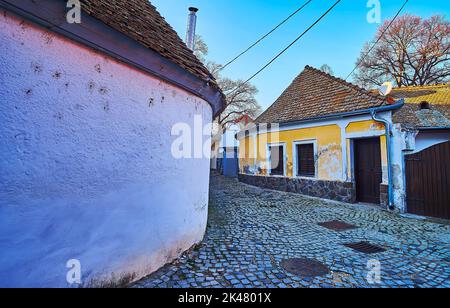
<point x="338" y="191"/>
<point x="384" y="196"/>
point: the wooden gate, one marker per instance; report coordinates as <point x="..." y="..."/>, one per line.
<point x="428" y="182"/>
<point x="368" y="171"/>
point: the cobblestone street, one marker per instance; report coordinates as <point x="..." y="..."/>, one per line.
<point x="251" y="231"/>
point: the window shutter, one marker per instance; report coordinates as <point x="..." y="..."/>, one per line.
<point x="305" y="160"/>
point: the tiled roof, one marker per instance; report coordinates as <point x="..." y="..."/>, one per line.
<point x="434" y="94"/>
<point x="139" y="20"/>
<point x="412" y="115"/>
<point x="314" y="94"/>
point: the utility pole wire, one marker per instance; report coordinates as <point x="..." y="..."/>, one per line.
<point x="377" y="41"/>
<point x="266" y="35"/>
<point x="285" y="49"/>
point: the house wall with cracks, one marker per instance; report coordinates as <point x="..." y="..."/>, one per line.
<point x="86" y="169"/>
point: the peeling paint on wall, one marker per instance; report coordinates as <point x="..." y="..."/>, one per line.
<point x="328" y="139"/>
<point x="57" y="75"/>
<point x="330" y="161"/>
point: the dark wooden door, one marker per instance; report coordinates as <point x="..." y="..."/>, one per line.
<point x="428" y="182"/>
<point x="368" y="171"/>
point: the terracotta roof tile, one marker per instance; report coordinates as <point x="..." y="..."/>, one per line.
<point x="434" y="94"/>
<point x="314" y="94"/>
<point x="139" y="20"/>
<point x="413" y="116"/>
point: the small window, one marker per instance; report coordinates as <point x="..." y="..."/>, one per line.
<point x="424" y="105"/>
<point x="276" y="160"/>
<point x="306" y="165"/>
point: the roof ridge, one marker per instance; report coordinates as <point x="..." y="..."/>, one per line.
<point x="141" y="21"/>
<point x="314" y="93"/>
<point x="423" y="86"/>
<point x="346" y="83"/>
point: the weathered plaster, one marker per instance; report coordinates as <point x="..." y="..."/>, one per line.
<point x="331" y="162"/>
<point x="328" y="142"/>
<point x="425" y="140"/>
<point x="86" y="170"/>
<point x="364" y="127"/>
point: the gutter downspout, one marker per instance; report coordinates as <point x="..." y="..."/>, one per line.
<point x="388" y="128"/>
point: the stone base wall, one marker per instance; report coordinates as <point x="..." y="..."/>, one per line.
<point x="384" y="196"/>
<point x="338" y="191"/>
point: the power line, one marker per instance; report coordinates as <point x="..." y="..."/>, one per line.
<point x="378" y="40"/>
<point x="266" y="35"/>
<point x="285" y="49"/>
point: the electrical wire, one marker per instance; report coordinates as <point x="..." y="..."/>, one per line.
<point x="266" y="35"/>
<point x="285" y="49"/>
<point x="377" y="41"/>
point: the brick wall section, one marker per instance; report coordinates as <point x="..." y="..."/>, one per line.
<point x="338" y="191"/>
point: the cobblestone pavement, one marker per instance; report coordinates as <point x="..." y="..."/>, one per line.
<point x="251" y="230"/>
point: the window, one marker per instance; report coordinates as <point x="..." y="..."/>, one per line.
<point x="306" y="165"/>
<point x="276" y="160"/>
<point x="425" y="105"/>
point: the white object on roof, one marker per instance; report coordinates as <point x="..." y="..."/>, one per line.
<point x="385" y="88"/>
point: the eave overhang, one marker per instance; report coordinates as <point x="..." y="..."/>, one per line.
<point x="336" y="116"/>
<point x="51" y="14"/>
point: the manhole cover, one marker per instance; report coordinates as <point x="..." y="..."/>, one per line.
<point x="337" y="225"/>
<point x="304" y="267"/>
<point x="365" y="247"/>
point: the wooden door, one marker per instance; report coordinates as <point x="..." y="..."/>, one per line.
<point x="428" y="182"/>
<point x="368" y="171"/>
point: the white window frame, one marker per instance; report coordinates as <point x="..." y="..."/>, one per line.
<point x="269" y="158"/>
<point x="316" y="165"/>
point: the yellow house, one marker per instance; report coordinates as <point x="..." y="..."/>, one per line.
<point x="326" y="138"/>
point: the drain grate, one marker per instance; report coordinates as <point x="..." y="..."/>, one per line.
<point x="365" y="247"/>
<point x="304" y="267"/>
<point x="337" y="225"/>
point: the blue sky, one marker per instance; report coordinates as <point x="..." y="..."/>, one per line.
<point x="229" y="26"/>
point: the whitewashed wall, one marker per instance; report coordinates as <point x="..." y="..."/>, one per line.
<point x="228" y="139"/>
<point x="425" y="140"/>
<point x="86" y="170"/>
<point x="408" y="143"/>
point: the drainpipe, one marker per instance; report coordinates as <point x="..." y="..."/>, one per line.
<point x="388" y="128"/>
<point x="192" y="24"/>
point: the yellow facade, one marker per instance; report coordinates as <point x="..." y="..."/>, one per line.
<point x="364" y="126"/>
<point x="329" y="153"/>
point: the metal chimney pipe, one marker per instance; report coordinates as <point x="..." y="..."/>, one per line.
<point x="192" y="23"/>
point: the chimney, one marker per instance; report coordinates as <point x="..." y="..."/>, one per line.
<point x="192" y="23"/>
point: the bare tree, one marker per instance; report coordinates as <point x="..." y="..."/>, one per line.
<point x="201" y="49"/>
<point x="327" y="69"/>
<point x="240" y="101"/>
<point x="240" y="97"/>
<point x="412" y="52"/>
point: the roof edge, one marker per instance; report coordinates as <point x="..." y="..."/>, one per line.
<point x="406" y="88"/>
<point x="433" y="128"/>
<point x="340" y="115"/>
<point x="95" y="34"/>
